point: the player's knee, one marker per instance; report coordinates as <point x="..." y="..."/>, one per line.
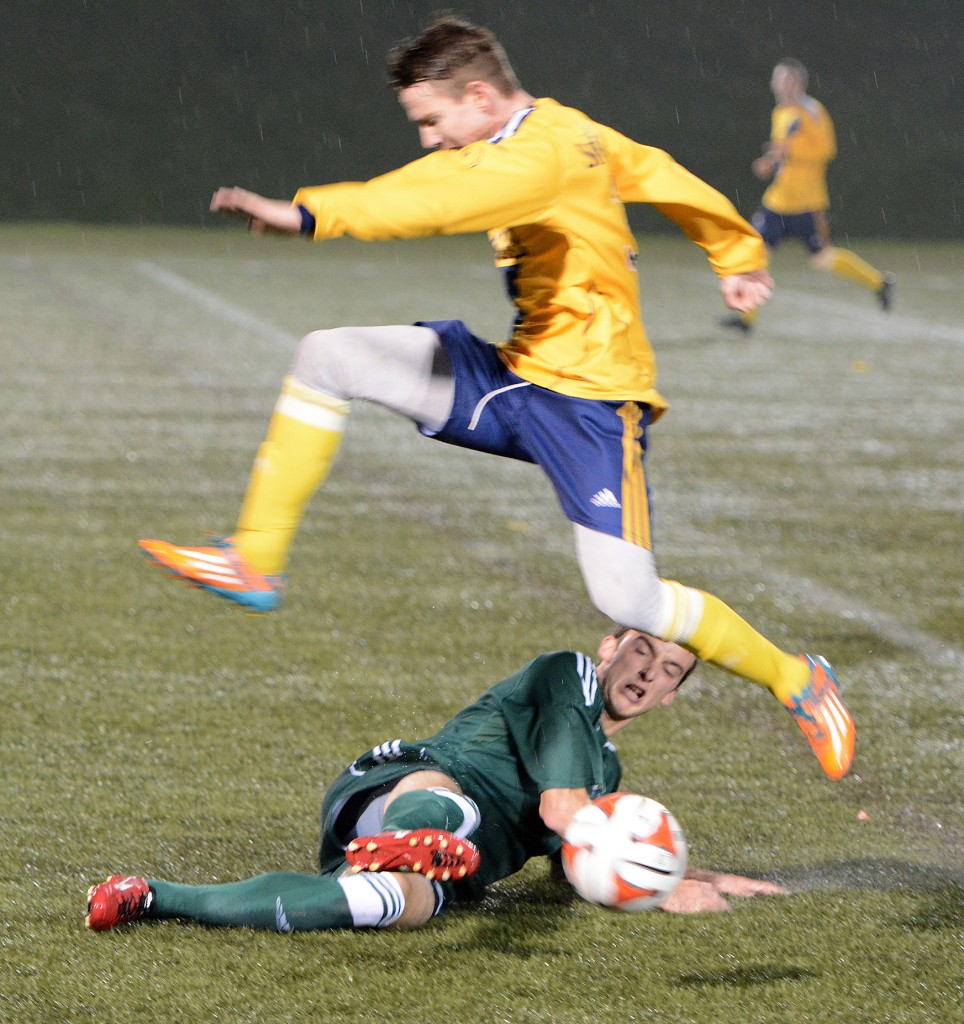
<point x="322" y="360"/>
<point x="660" y="607"/>
<point x="630" y="601"/>
<point x="620" y="578"/>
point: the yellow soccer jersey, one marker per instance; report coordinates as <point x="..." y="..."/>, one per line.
<point x="549" y="190"/>
<point x="806" y="134"/>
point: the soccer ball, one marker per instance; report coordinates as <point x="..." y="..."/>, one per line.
<point x="638" y="860"/>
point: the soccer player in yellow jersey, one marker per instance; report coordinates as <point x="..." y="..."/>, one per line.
<point x="573" y="390"/>
<point x="802" y="143"/>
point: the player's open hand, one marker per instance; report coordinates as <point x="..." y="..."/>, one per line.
<point x="232" y="200"/>
<point x="736" y="885"/>
<point x="692" y="897"/>
<point x="262" y="215"/>
<point x="746" y="292"/>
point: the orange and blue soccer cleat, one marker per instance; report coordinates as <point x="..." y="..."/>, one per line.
<point x="120" y="899"/>
<point x="434" y="853"/>
<point x="218" y="567"/>
<point x="827" y="724"/>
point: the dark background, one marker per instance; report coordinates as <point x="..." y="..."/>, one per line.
<point x="133" y="113"/>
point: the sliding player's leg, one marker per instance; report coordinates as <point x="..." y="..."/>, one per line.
<point x="402" y="368"/>
<point x="420" y="826"/>
<point x="282" y="901"/>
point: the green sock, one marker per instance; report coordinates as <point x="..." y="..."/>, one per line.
<point x="282" y="901"/>
<point x="427" y="808"/>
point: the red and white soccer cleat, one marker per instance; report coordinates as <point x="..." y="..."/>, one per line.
<point x="434" y="853"/>
<point x="120" y="899"/>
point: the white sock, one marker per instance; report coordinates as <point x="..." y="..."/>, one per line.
<point x="375" y="900"/>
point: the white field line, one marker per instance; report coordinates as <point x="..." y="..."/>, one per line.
<point x="895" y="325"/>
<point x="886" y="626"/>
<point x="860" y="312"/>
<point x="819" y="597"/>
<point x="215" y="305"/>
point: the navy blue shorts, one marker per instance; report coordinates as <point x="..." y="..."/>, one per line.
<point x="810" y="228"/>
<point x="592" y="451"/>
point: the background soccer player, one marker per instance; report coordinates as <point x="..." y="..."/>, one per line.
<point x="573" y="390"/>
<point x="514" y="771"/>
<point x="802" y="143"/>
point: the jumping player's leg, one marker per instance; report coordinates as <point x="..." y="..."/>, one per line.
<point x="594" y="454"/>
<point x="624" y="585"/>
<point x="401" y="368"/>
<point x="622" y="582"/>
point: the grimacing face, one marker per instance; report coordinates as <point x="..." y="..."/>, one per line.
<point x="639" y="672"/>
<point x="445" y="121"/>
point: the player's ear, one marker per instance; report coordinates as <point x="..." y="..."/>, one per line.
<point x="669" y="698"/>
<point x="479" y="94"/>
<point x="607" y="647"/>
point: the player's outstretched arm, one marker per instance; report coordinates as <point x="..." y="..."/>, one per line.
<point x="746" y="292"/>
<point x="263" y="215"/>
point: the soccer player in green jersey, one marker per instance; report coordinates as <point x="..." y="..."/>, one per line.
<point x="572" y="390"/>
<point x="409" y="828"/>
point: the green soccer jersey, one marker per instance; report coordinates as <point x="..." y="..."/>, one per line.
<point x="537" y="730"/>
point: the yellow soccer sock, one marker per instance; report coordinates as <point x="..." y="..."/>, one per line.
<point x="845" y="263"/>
<point x="715" y="633"/>
<point x="303" y="439"/>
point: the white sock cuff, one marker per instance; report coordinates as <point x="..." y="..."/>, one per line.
<point x="308" y="405"/>
<point x="471" y="815"/>
<point x="375" y="900"/>
<point x="680" y="611"/>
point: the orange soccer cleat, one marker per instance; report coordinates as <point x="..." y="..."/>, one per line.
<point x="120" y="899"/>
<point x="434" y="853"/>
<point x="827" y="724"/>
<point x="219" y="568"/>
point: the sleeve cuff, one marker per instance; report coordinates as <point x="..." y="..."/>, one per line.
<point x="307" y="221"/>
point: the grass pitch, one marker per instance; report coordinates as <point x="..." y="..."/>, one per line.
<point x="810" y="474"/>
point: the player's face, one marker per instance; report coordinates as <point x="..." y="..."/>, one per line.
<point x="444" y="121"/>
<point x="784" y="84"/>
<point x="639" y="672"/>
